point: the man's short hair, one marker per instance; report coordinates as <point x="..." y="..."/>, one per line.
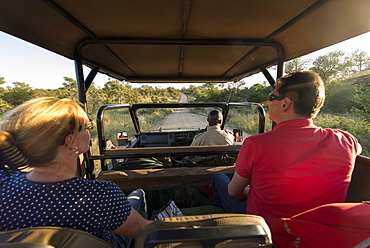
<point x="306" y="89"/>
<point x="214" y="117"/>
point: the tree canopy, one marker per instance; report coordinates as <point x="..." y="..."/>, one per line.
<point x="336" y="68"/>
<point x="346" y="78"/>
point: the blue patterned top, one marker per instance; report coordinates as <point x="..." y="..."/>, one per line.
<point x="96" y="207"/>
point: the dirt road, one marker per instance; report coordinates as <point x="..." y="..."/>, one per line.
<point x="183" y="97"/>
<point x="182" y="118"/>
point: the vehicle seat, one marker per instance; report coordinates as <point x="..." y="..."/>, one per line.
<point x="223" y="230"/>
<point x="359" y="187"/>
<point x="25" y="245"/>
<point x="329" y="225"/>
<point x="201" y="210"/>
<point x="53" y="236"/>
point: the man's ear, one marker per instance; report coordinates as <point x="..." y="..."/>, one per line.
<point x="286" y="103"/>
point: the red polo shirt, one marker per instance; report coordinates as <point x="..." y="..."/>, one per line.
<point x="295" y="167"/>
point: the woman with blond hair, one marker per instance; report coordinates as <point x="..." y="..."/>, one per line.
<point x="48" y="134"/>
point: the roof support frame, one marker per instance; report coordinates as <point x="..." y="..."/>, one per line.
<point x="185" y="18"/>
<point x="83" y="85"/>
<point x="181" y="43"/>
<point x="170" y="42"/>
<point x="186" y="15"/>
<point x="297" y="18"/>
<point x="268" y="76"/>
<point x="91" y="77"/>
<point x="80" y="82"/>
<point x="178" y="42"/>
<point x="281" y="59"/>
<point x="69" y="17"/>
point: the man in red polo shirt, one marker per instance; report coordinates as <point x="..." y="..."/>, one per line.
<point x="296" y="166"/>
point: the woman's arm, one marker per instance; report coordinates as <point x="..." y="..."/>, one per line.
<point x="131" y="227"/>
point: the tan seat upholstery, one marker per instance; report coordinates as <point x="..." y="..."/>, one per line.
<point x="223" y="230"/>
<point x="54" y="236"/>
<point x="25" y="245"/>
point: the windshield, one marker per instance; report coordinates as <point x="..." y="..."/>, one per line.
<point x="158" y="120"/>
<point x="118" y="123"/>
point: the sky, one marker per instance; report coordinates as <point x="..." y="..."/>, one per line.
<point x="24" y="62"/>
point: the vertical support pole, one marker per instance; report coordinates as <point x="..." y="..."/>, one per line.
<point x="80" y="81"/>
<point x="280" y="67"/>
<point x="81" y="87"/>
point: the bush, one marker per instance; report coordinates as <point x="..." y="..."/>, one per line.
<point x="360" y="128"/>
<point x="339" y="98"/>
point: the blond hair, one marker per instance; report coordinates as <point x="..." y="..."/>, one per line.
<point x="39" y="126"/>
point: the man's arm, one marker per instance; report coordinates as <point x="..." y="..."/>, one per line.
<point x="239" y="186"/>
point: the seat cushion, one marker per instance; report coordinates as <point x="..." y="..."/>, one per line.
<point x="330" y="225"/>
<point x="55" y="236"/>
<point x="222" y="229"/>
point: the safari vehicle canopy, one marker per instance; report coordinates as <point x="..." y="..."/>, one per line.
<point x="173" y="41"/>
<point x="170" y="41"/>
<point x="182" y="40"/>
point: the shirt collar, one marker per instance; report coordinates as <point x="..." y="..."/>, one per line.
<point x="295" y="123"/>
<point x="216" y="127"/>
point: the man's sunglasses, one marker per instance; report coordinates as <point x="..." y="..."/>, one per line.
<point x="273" y="97"/>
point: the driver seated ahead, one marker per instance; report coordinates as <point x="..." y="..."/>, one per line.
<point x="214" y="135"/>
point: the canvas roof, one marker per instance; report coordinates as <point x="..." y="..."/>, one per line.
<point x="183" y="40"/>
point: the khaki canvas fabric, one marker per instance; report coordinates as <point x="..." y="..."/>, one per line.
<point x="165" y="28"/>
<point x="25" y="245"/>
<point x="58" y="237"/>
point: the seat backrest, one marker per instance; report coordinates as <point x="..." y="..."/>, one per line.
<point x="359" y="188"/>
<point x="54" y="236"/>
<point x="223" y="230"/>
<point x="25" y="245"/>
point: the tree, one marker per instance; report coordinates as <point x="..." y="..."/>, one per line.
<point x="4" y="106"/>
<point x="2" y="81"/>
<point x="119" y="92"/>
<point x="95" y="98"/>
<point x="69" y="89"/>
<point x="339" y="97"/>
<point x="361" y="98"/>
<point x="330" y="66"/>
<point x="297" y="64"/>
<point x="20" y="93"/>
<point x="232" y="91"/>
<point x="258" y="93"/>
<point x="360" y="60"/>
<point x="131" y="95"/>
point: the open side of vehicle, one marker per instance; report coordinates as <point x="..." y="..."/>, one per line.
<point x="175" y="42"/>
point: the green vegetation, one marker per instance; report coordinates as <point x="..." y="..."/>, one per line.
<point x="347" y="107"/>
<point x="113" y="92"/>
<point x="360" y="128"/>
<point x="149" y="118"/>
<point x="246" y="122"/>
<point x="347" y="82"/>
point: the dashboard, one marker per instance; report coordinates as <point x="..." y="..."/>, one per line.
<point x="166" y="139"/>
